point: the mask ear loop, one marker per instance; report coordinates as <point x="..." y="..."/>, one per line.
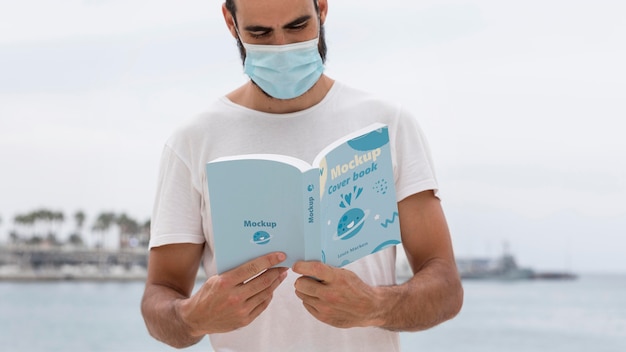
<point x="319" y="21"/>
<point x="237" y="31"/>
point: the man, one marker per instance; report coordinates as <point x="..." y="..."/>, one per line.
<point x="296" y="112"/>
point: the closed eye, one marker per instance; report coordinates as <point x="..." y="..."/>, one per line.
<point x="298" y="24"/>
<point x="258" y="31"/>
<point x="257" y="35"/>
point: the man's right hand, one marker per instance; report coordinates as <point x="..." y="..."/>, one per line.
<point x="229" y="301"/>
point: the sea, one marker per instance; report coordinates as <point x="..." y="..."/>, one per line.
<point x="587" y="314"/>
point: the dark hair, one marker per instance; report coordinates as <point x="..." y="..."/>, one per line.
<point x="230" y="6"/>
<point x="323" y="49"/>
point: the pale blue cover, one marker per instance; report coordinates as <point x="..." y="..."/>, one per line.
<point x="358" y="208"/>
<point x="336" y="213"/>
<point x="258" y="215"/>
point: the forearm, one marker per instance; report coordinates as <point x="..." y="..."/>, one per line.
<point x="429" y="298"/>
<point x="160" y="309"/>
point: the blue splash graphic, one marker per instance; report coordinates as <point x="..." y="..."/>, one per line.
<point x="390" y="221"/>
<point x="370" y="141"/>
<point x="385" y="245"/>
<point x="347" y="198"/>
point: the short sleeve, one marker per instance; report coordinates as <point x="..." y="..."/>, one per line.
<point x="414" y="167"/>
<point x="176" y="216"/>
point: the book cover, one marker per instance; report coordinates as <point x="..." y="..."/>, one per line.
<point x="338" y="209"/>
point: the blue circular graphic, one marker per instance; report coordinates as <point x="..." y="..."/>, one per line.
<point x="351" y="223"/>
<point x="261" y="237"/>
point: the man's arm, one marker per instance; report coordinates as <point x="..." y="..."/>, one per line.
<point x="433" y="295"/>
<point x="172" y="274"/>
<point x="223" y="303"/>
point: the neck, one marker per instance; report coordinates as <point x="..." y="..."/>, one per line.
<point x="252" y="97"/>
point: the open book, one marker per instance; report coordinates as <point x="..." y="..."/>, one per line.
<point x="337" y="210"/>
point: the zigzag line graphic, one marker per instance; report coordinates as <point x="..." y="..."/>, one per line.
<point x="390" y="221"/>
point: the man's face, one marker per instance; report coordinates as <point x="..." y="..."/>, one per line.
<point x="279" y="22"/>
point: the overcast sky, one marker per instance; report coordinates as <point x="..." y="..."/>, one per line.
<point x="523" y="104"/>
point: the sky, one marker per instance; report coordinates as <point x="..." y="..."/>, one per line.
<point x="523" y="104"/>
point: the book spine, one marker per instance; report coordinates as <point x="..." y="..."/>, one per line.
<point x="311" y="209"/>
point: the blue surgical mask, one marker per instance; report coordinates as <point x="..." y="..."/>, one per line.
<point x="284" y="71"/>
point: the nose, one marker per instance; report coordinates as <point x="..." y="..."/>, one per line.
<point x="280" y="38"/>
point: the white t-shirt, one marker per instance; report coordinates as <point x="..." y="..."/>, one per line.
<point x="182" y="215"/>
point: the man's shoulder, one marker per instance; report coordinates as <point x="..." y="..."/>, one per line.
<point x="368" y="107"/>
<point x="200" y="123"/>
<point x="357" y="96"/>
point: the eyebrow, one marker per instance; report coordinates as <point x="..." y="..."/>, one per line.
<point x="298" y="21"/>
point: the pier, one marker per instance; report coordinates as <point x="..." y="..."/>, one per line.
<point x="24" y="263"/>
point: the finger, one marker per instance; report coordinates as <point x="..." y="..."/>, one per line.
<point x="307" y="299"/>
<point x="259" y="309"/>
<point x="315" y="270"/>
<point x="267" y="279"/>
<point x="267" y="291"/>
<point x="255" y="266"/>
<point x="261" y="300"/>
<point x="311" y="309"/>
<point x="307" y="286"/>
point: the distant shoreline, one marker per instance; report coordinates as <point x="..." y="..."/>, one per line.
<point x="55" y="278"/>
<point x="30" y="263"/>
<point x="36" y="264"/>
<point x="72" y="273"/>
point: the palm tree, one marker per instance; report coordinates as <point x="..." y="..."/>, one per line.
<point x="57" y="218"/>
<point x="47" y="224"/>
<point x="79" y="217"/>
<point x="16" y="235"/>
<point x="76" y="237"/>
<point x="144" y="238"/>
<point x="41" y="217"/>
<point x="24" y="227"/>
<point x="102" y="225"/>
<point x="128" y="228"/>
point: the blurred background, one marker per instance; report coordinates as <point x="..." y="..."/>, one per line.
<point x="523" y="104"/>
